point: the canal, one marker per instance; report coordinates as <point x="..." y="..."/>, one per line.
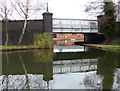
<point x="67" y="66"/>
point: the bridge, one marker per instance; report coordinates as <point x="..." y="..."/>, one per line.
<point x="76" y="29"/>
<point x="74" y="25"/>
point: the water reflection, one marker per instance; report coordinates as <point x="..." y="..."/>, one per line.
<point x="107" y="66"/>
<point x="67" y="42"/>
<point x="68" y="46"/>
<point x="46" y="69"/>
<point x="22" y="70"/>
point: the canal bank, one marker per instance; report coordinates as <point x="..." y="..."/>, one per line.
<point x="16" y="48"/>
<point x="104" y="47"/>
<point x="98" y="46"/>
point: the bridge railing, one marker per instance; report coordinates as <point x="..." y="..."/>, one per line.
<point x="74" y="25"/>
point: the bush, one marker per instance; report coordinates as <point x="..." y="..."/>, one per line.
<point x="44" y="40"/>
<point x="115" y="41"/>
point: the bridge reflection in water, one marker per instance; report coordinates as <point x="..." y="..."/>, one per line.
<point x="42" y="69"/>
<point x="74" y="66"/>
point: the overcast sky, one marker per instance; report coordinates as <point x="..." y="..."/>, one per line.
<point x="68" y="8"/>
<point x="73" y="9"/>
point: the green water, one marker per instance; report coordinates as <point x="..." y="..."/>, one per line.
<point x="64" y="67"/>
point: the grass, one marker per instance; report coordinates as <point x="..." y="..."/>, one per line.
<point x="111" y="47"/>
<point x="16" y="46"/>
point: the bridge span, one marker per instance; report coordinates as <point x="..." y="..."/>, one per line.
<point x="61" y="25"/>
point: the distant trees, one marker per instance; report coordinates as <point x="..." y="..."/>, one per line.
<point x="109" y="20"/>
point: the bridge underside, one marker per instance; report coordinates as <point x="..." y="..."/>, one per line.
<point x="85" y="37"/>
<point x="93" y="38"/>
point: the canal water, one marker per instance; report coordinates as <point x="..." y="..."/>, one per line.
<point x="67" y="66"/>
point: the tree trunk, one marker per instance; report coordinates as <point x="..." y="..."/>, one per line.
<point x="23" y="32"/>
<point x="6" y="30"/>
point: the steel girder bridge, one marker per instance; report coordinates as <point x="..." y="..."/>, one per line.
<point x="61" y="25"/>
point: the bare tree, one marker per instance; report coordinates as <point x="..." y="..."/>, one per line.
<point x="94" y="8"/>
<point x="5" y="12"/>
<point x="25" y="9"/>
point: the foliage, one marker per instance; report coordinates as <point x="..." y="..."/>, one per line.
<point x="109" y="20"/>
<point x="44" y="40"/>
<point x="115" y="41"/>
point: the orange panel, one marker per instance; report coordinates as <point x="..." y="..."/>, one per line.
<point x="69" y="35"/>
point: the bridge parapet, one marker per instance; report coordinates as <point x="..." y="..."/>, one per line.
<point x="75" y="25"/>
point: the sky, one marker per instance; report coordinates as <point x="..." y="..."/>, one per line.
<point x="68" y="8"/>
<point x="74" y="9"/>
<point x="71" y="9"/>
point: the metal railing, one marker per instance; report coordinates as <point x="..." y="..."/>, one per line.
<point x="74" y="25"/>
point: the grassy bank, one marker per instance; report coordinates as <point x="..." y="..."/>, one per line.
<point x="40" y="41"/>
<point x="114" y="45"/>
<point x="16" y="47"/>
<point x="105" y="47"/>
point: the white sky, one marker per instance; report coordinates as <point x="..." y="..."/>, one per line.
<point x="68" y="8"/>
<point x="73" y="9"/>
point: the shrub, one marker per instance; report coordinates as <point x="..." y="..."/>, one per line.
<point x="44" y="40"/>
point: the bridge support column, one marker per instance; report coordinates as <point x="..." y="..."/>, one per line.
<point x="93" y="38"/>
